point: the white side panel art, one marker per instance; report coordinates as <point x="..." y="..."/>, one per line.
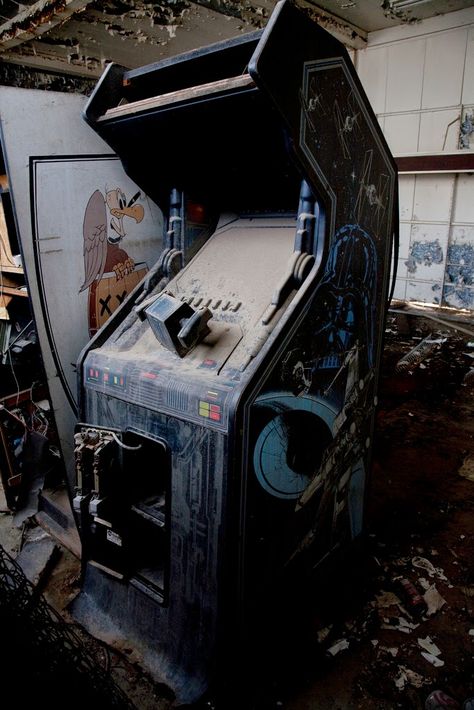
<point x="88" y="234"/>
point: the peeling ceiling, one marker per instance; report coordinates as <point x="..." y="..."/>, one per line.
<point x="372" y="15"/>
<point x="78" y="38"/>
<point x="132" y="34"/>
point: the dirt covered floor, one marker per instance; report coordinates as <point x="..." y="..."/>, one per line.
<point x="419" y="532"/>
<point x="394" y="619"/>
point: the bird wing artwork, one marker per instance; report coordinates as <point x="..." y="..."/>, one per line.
<point x="110" y="274"/>
<point x="95" y="239"/>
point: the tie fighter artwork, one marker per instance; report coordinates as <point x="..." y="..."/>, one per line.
<point x="371" y="199"/>
<point x="346" y="122"/>
<point x="314" y="104"/>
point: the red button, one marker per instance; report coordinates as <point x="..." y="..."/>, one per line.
<point x="215" y="408"/>
<point x="216" y="416"/>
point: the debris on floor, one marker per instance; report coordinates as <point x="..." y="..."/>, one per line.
<point x="419" y="542"/>
<point x="434" y="600"/>
<point x="418" y="354"/>
<point x="467" y="468"/>
<point x="340" y="645"/>
<point x="37" y="555"/>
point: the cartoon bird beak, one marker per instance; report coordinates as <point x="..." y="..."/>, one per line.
<point x="119" y="211"/>
<point x="135" y="212"/>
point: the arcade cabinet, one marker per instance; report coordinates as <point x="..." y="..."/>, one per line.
<point x="226" y="409"/>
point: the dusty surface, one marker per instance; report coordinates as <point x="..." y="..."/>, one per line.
<point x="419" y="528"/>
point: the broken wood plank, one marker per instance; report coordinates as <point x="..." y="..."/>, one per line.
<point x="13" y="291"/>
<point x="192" y="92"/>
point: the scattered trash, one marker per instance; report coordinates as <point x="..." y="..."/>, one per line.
<point x="322" y="634"/>
<point x="414" y="602"/>
<point x="391" y="650"/>
<point x="419" y="353"/>
<point x="402" y="678"/>
<point x="471" y="632"/>
<point x="339" y="646"/>
<point x="387" y="599"/>
<point x="434" y="601"/>
<point x="468" y="378"/>
<point x="428" y="645"/>
<point x="375" y="642"/>
<point x="437" y="700"/>
<point x="415" y="679"/>
<point x="467" y="468"/>
<point x="406" y="675"/>
<point x="423" y="563"/>
<point x="403" y="625"/>
<point x="424" y="583"/>
<point x="434" y="660"/>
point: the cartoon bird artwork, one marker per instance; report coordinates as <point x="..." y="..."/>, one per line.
<point x="109" y="272"/>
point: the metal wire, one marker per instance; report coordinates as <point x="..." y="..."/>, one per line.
<point x="55" y="653"/>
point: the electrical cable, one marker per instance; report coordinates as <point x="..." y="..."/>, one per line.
<point x="125" y="446"/>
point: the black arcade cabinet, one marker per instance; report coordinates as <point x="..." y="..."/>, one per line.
<point x="227" y="407"/>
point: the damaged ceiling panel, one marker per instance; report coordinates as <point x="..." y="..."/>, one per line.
<point x="33" y="19"/>
<point x="137" y="37"/>
<point x="132" y="34"/>
<point x="372" y="15"/>
<point x="78" y="38"/>
<point x="137" y="33"/>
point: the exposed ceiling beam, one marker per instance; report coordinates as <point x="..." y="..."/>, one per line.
<point x="36" y="19"/>
<point x="54" y="64"/>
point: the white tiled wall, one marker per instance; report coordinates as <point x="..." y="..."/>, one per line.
<point x="468" y="84"/>
<point x="444" y="68"/>
<point x="405" y="61"/>
<point x="419" y="79"/>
